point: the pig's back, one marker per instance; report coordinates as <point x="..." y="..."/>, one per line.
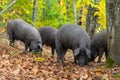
<point x="48" y="35"/>
<point x="22" y="29"/>
<point x="47" y="32"/>
<point x="100" y="39"/>
<point x="72" y="35"/>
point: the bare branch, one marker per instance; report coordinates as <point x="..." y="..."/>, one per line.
<point x="8" y="7"/>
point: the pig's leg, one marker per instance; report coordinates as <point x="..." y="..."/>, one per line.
<point x="26" y="46"/>
<point x="11" y="38"/>
<point x="52" y="49"/>
<point x="63" y="55"/>
<point x="60" y="52"/>
<point x="75" y="59"/>
<point x="58" y="45"/>
<point x="106" y="54"/>
<point x="100" y="53"/>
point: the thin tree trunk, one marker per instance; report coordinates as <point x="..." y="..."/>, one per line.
<point x="60" y="6"/>
<point x="34" y="10"/>
<point x="49" y="7"/>
<point x="44" y="10"/>
<point x="75" y="16"/>
<point x="68" y="7"/>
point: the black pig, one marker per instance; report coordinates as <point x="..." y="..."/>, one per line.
<point x="99" y="45"/>
<point x="73" y="37"/>
<point x="20" y="30"/>
<point x="48" y="37"/>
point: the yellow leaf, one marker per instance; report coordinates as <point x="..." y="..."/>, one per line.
<point x="2" y="30"/>
<point x="39" y="59"/>
<point x="35" y="70"/>
<point x="16" y="71"/>
<point x="96" y="13"/>
<point x="27" y="12"/>
<point x="98" y="74"/>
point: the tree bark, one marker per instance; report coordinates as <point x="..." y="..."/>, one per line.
<point x="91" y="21"/>
<point x="34" y="10"/>
<point x="68" y="7"/>
<point x="75" y="16"/>
<point x="44" y="10"/>
<point x="113" y="28"/>
<point x="60" y="14"/>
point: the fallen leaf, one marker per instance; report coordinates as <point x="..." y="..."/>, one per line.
<point x="35" y="70"/>
<point x="5" y="56"/>
<point x="98" y="74"/>
<point x="105" y="77"/>
<point x="16" y="71"/>
<point x="39" y="59"/>
<point x="45" y="72"/>
<point x="25" y="64"/>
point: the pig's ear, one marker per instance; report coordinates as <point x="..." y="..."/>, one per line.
<point x="88" y="52"/>
<point x="76" y="52"/>
<point x="40" y="46"/>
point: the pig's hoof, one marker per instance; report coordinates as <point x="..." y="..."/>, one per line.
<point x="99" y="61"/>
<point x="25" y="52"/>
<point x="58" y="61"/>
<point x="63" y="65"/>
<point x="74" y="62"/>
<point x="12" y="45"/>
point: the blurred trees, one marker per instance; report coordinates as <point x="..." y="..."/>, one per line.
<point x="52" y="12"/>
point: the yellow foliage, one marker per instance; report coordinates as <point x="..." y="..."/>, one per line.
<point x="101" y="6"/>
<point x="27" y="12"/>
<point x="84" y="13"/>
<point x="96" y="13"/>
<point x="63" y="7"/>
<point x="49" y="11"/>
<point x="102" y="14"/>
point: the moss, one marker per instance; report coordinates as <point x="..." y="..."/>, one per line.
<point x="109" y="62"/>
<point x="117" y="75"/>
<point x="39" y="53"/>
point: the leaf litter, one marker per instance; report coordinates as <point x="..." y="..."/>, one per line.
<point x="15" y="65"/>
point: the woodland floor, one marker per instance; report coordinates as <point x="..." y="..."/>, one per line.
<point x="15" y="65"/>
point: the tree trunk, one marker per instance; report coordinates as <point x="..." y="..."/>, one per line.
<point x="49" y="7"/>
<point x="113" y="28"/>
<point x="44" y="10"/>
<point x="34" y="10"/>
<point x="75" y="16"/>
<point x="60" y="14"/>
<point x="91" y="21"/>
<point x="68" y="7"/>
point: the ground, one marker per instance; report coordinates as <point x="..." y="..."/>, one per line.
<point x="15" y="65"/>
